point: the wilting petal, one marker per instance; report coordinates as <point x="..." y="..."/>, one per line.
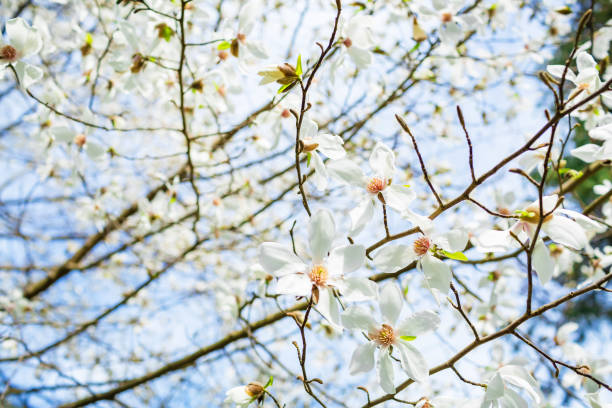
<point x="278" y="259"/>
<point x="362" y="359"/>
<point x="419" y="323"/>
<point x="346" y="259"/>
<point x="413" y="361"/>
<point x="390" y="258"/>
<point x="385" y="372"/>
<point x="321" y="232"/>
<point x="357" y="318"/>
<point x="391" y="302"/>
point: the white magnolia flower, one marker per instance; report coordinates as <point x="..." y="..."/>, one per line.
<point x="244" y="395"/>
<point x="499" y="394"/>
<point x="324" y="272"/>
<point x="23" y="41"/>
<point x="389" y="337"/>
<point x="586" y="81"/>
<point x="446" y="16"/>
<point x="565" y="227"/>
<point x="424" y="250"/>
<point x="535" y="159"/>
<point x="591" y="152"/>
<point x="315" y="143"/>
<point x="357" y="39"/>
<point x="377" y="187"/>
<point x="243" y="45"/>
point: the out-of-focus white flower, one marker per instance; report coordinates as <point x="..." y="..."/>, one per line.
<point x="244" y="395"/>
<point x="591" y="152"/>
<point x="357" y="39"/>
<point x="23" y="41"/>
<point x="389" y="336"/>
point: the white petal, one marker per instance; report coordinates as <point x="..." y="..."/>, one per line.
<point x="361" y="215"/>
<point x="362" y="359"/>
<point x="385" y="372"/>
<point x="584" y="221"/>
<point x="294" y="284"/>
<point x="347" y="171"/>
<point x="557" y="72"/>
<point x="413" y="361"/>
<point x="542" y="262"/>
<point x="358" y="289"/>
<point x="360" y="56"/>
<point x="27" y="74"/>
<point x="437" y="274"/>
<point x="319" y="178"/>
<point x="330" y="145"/>
<point x="278" y="259"/>
<point x="357" y="318"/>
<point x="321" y="231"/>
<point x="495" y="388"/>
<point x="24" y="38"/>
<point x="346" y="259"/>
<point x="391" y="301"/>
<point x="328" y="307"/>
<point x="587" y="153"/>
<point x="398" y="197"/>
<point x="457" y="240"/>
<point x="602" y="132"/>
<point x="566" y="232"/>
<point x="493" y="241"/>
<point x="520" y="377"/>
<point x="309" y="128"/>
<point x="419" y="323"/>
<point x="390" y="258"/>
<point x="382" y="161"/>
<point x="584" y="61"/>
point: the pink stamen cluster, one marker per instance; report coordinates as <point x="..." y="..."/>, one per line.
<point x="421" y="246"/>
<point x="318" y="275"/>
<point x="376" y="185"/>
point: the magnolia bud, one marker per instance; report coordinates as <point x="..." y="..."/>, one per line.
<point x="254" y="389"/>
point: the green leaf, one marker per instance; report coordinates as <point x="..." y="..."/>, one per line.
<point x="298" y="69"/>
<point x="407" y="185"/>
<point x="284" y="87"/>
<point x="167" y="33"/>
<point x="308" y="157"/>
<point x="416" y="47"/>
<point x="224" y="45"/>
<point x="408" y="338"/>
<point x="88" y="39"/>
<point x="459" y="256"/>
<point x="270" y="381"/>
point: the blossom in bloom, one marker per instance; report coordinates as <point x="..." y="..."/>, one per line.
<point x="323" y="273"/>
<point x="586" y="80"/>
<point x="377" y="187"/>
<point x="23" y="41"/>
<point x="591" y="152"/>
<point x="357" y="39"/>
<point x="499" y="393"/>
<point x="315" y="143"/>
<point x="244" y="395"/>
<point x="451" y="24"/>
<point x="425" y="250"/>
<point x="388" y="337"/>
<point x="243" y="46"/>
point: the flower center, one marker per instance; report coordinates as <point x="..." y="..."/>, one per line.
<point x="447" y="17"/>
<point x="347" y="42"/>
<point x="532" y="215"/>
<point x="241" y="37"/>
<point x="421" y="246"/>
<point x="376" y="185"/>
<point x="385" y="336"/>
<point x="318" y="275"/>
<point x="8" y="52"/>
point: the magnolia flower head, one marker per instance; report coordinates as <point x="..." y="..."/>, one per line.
<point x="392" y="335"/>
<point x="23" y="41"/>
<point x="244" y="395"/>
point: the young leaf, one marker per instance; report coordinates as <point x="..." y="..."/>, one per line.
<point x="459" y="256"/>
<point x="308" y="157"/>
<point x="270" y="381"/>
<point x="298" y="69"/>
<point x="408" y="338"/>
<point x="224" y="45"/>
